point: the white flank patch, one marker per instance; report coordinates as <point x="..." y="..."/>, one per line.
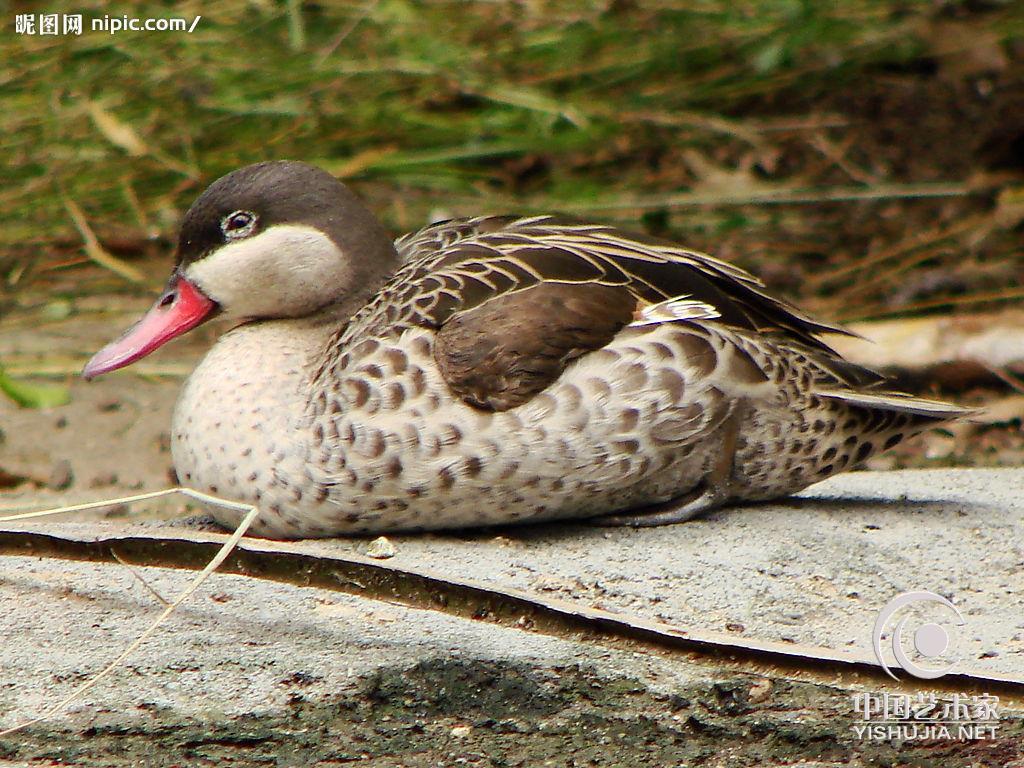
<point x="673" y="310"/>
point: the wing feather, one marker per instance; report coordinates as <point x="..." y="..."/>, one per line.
<point x="514" y="300"/>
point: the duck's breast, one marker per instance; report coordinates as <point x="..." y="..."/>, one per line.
<point x="237" y="429"/>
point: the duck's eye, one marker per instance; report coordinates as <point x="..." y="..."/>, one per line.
<point x="238" y="224"/>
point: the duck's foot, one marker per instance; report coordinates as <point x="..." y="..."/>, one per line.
<point x="676" y="510"/>
<point x="711" y="492"/>
<point x="201" y="521"/>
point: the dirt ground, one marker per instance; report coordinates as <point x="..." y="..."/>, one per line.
<point x="111" y="439"/>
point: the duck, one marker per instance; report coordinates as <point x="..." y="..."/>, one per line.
<point x="486" y="371"/>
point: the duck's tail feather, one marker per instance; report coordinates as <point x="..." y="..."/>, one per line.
<point x="927" y="410"/>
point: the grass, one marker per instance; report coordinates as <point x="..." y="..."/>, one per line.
<point x="684" y="118"/>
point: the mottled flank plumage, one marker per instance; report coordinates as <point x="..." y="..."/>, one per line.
<point x="501" y="369"/>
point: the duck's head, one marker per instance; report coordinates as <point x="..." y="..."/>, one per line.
<point x="272" y="240"/>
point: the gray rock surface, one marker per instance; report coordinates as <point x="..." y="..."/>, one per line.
<point x="255" y="673"/>
<point x="814" y="570"/>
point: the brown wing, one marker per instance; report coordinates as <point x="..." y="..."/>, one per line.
<point x="454" y="266"/>
<point x="501" y="353"/>
<point x="514" y="300"/>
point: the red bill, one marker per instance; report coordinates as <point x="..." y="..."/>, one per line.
<point x="180" y="308"/>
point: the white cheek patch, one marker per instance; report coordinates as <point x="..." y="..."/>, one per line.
<point x="288" y="270"/>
